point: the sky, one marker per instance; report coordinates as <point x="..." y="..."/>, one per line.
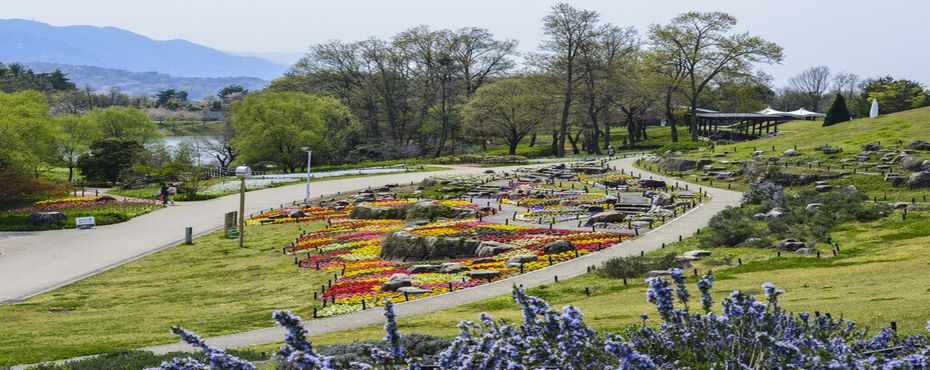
<point x="868" y="38"/>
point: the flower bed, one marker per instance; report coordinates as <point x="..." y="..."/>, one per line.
<point x="282" y="215"/>
<point x="352" y="249"/>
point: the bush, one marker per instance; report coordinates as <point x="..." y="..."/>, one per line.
<point x="634" y="266"/>
<point x="417" y="345"/>
<point x="730" y="228"/>
<point x="21" y="190"/>
<point x="838" y="112"/>
<point x="121" y="360"/>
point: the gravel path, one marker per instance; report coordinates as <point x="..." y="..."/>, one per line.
<point x="670" y="232"/>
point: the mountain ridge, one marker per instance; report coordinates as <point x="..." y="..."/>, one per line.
<point x="110" y="47"/>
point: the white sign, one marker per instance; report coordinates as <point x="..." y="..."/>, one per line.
<point x="85" y="222"/>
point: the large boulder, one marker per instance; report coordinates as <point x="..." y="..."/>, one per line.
<point x="412" y="290"/>
<point x="421" y="269"/>
<point x="404" y="246"/>
<point x="919" y="180"/>
<point x="523" y="258"/>
<point x="558" y="246"/>
<point x="396" y="282"/>
<point x="452" y="268"/>
<point x="368" y="211"/>
<point x="483" y="274"/>
<point x="46" y="219"/>
<point x="652" y="184"/>
<point x="789" y="245"/>
<point x="696" y="254"/>
<point x="492" y="248"/>
<point x="681" y="164"/>
<point x="607" y="216"/>
<point x="910" y="163"/>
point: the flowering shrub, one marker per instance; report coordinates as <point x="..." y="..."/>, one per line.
<point x="748" y="334"/>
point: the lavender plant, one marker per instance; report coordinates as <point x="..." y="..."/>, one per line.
<point x="748" y="333"/>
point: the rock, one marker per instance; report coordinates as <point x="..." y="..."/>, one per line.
<point x="895" y="179"/>
<point x="523" y="258"/>
<point x="871" y="147"/>
<point x="823" y="188"/>
<point x="366" y="211"/>
<point x="757" y="153"/>
<point x="807" y="251"/>
<point x="492" y="248"/>
<point x="595" y="209"/>
<point x="909" y="163"/>
<point x="483" y="274"/>
<point x="46" y="218"/>
<point x="789" y="245"/>
<point x="488" y="171"/>
<point x="919" y="180"/>
<point x="713" y="168"/>
<point x="421" y="269"/>
<point x="513" y="265"/>
<point x="652" y="184"/>
<point x="656" y="273"/>
<point x="813" y="206"/>
<point x="569" y="202"/>
<point x="790" y="153"/>
<point x="482" y="260"/>
<point x="899" y="205"/>
<point x="297" y="214"/>
<point x="452" y="268"/>
<point x="396" y="282"/>
<point x="919" y="145"/>
<point x="849" y="189"/>
<point x="558" y="246"/>
<point x="925" y="165"/>
<point x="696" y="254"/>
<point x="412" y="290"/>
<point x="640" y="224"/>
<point x="404" y="246"/>
<point x="681" y="164"/>
<point x="106" y="198"/>
<point x="607" y="216"/>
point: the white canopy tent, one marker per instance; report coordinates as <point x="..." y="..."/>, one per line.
<point x="799" y="114"/>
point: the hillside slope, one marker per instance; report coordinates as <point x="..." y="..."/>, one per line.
<point x="109" y="47"/>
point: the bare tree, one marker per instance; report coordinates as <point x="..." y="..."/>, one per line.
<point x="702" y="44"/>
<point x="845" y="82"/>
<point x="219" y="145"/>
<point x="814" y="82"/>
<point x="567" y="30"/>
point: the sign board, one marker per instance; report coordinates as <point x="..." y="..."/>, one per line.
<point x="229" y="225"/>
<point x="85" y="222"/>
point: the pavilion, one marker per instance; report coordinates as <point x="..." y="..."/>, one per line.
<point x="756" y="124"/>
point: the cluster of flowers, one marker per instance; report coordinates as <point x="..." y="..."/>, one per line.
<point x="353" y="247"/>
<point x="283" y="215"/>
<point x="598" y="180"/>
<point x="391" y="202"/>
<point x="80" y="203"/>
<point x="749" y="334"/>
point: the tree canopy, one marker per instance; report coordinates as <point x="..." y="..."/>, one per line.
<point x="125" y="124"/>
<point x="275" y="126"/>
<point x="507" y="110"/>
<point x="27" y="137"/>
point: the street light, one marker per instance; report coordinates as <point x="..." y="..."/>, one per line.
<point x="309" y="153"/>
<point x="243" y="173"/>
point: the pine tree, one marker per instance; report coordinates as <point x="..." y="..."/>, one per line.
<point x="838" y="111"/>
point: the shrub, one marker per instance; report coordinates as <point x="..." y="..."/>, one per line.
<point x="747" y="334"/>
<point x="20" y="190"/>
<point x="635" y="266"/>
<point x="121" y="360"/>
<point x="730" y="228"/>
<point x="838" y="112"/>
<point x="765" y="192"/>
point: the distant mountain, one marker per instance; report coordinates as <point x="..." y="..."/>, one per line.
<point x="287" y="59"/>
<point x="145" y="83"/>
<point x="27" y="41"/>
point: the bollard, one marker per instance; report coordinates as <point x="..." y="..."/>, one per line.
<point x="642" y="253"/>
<point x="587" y="291"/>
<point x="363" y="305"/>
<point x="314" y="296"/>
<point x="189" y="235"/>
<point x="550" y="260"/>
<point x="663" y="245"/>
<point x="740" y="261"/>
<point x="406" y="297"/>
<point x="695" y="272"/>
<point x="894" y="326"/>
<point x="450" y="287"/>
<point x="314" y="312"/>
<point x="624" y="281"/>
<point x="556" y="277"/>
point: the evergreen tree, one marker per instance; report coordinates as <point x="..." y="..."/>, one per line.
<point x="838" y="111"/>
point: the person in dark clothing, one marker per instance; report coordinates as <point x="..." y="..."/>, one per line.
<point x="163" y="195"/>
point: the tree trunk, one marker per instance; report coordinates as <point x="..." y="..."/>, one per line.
<point x="70" y="172"/>
<point x="555" y="141"/>
<point x="606" y="128"/>
<point x="694" y="120"/>
<point x="670" y="116"/>
<point x="533" y="140"/>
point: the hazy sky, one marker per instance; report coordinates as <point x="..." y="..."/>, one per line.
<point x="868" y="38"/>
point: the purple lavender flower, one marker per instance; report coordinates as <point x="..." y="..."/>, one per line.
<point x="705" y="285"/>
<point x="660" y="294"/>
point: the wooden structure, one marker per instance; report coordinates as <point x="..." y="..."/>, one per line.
<point x="754" y="124"/>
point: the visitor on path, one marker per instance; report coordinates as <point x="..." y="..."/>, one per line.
<point x="172" y="191"/>
<point x="163" y="194"/>
<point x="611" y="151"/>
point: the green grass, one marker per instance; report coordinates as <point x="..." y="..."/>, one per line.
<point x="211" y="287"/>
<point x="893" y="131"/>
<point x="103" y="215"/>
<point x="879" y="276"/>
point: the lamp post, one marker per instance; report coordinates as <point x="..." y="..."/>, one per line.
<point x="243" y="173"/>
<point x="309" y="154"/>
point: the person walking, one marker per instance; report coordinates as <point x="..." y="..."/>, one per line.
<point x="611" y="152"/>
<point x="172" y="191"/>
<point x="163" y="194"/>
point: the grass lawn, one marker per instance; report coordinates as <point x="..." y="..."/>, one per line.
<point x="893" y="131"/>
<point x="879" y="276"/>
<point x="212" y="287"/>
<point x="105" y="214"/>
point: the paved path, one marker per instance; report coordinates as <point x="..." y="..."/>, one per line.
<point x="683" y="225"/>
<point x="36" y="262"/>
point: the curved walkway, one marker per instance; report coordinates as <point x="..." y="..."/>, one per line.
<point x="35" y="262"/>
<point x="682" y="226"/>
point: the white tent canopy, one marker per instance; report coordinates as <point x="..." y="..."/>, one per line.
<point x="800" y="113"/>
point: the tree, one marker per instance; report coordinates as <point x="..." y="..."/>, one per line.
<point x="27" y="137"/>
<point x="893" y="95"/>
<point x="76" y="135"/>
<point x="274" y="126"/>
<point x="124" y="124"/>
<point x="701" y="43"/>
<point x="838" y="112"/>
<point x="813" y="82"/>
<point x="219" y="145"/>
<point x="506" y="110"/>
<point x="109" y="158"/>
